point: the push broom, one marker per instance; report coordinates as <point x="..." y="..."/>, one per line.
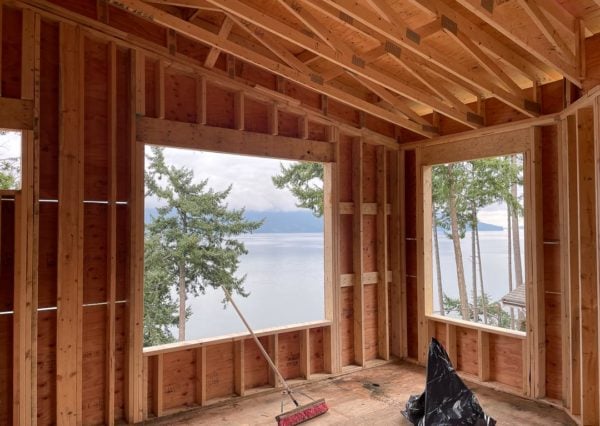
<point x="301" y="413"/>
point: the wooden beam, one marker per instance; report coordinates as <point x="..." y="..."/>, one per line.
<point x="545" y="26"/>
<point x="16" y="114"/>
<point x="312" y="81"/>
<point x="352" y="63"/>
<point x="398" y="35"/>
<point x="383" y="308"/>
<point x="70" y="229"/>
<point x="175" y="134"/>
<point x="539" y="47"/>
<point x="357" y="251"/>
<point x="224" y="31"/>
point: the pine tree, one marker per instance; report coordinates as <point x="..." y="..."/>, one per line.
<point x="305" y="181"/>
<point x="192" y="239"/>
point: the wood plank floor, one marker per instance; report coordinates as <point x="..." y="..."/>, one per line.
<point x="373" y="396"/>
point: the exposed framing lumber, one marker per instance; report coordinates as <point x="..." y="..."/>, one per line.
<point x="185" y="64"/>
<point x="305" y="353"/>
<point x="224" y="31"/>
<point x="70" y="231"/>
<point x="16" y="113"/>
<point x="313" y="81"/>
<point x="588" y="274"/>
<point x="157" y="385"/>
<point x="383" y="309"/>
<point x="396" y="35"/>
<point x="357" y="250"/>
<point x="134" y="400"/>
<point x="238" y="368"/>
<point x="200" y="376"/>
<point x="483" y="355"/>
<point x="26" y="236"/>
<point x="111" y="235"/>
<point x="174" y="134"/>
<point x="332" y="337"/>
<point x="569" y="220"/>
<point x="568" y="68"/>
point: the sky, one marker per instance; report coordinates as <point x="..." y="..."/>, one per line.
<point x="250" y="176"/>
<point x="10" y="144"/>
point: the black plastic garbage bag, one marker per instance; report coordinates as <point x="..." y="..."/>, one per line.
<point x="446" y="400"/>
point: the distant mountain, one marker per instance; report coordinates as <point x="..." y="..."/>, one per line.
<point x="481" y="226"/>
<point x="299" y="221"/>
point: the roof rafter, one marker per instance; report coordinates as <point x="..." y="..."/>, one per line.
<point x="213" y="54"/>
<point x="523" y="38"/>
<point x="402" y="36"/>
<point x="354" y="63"/>
<point x="542" y="22"/>
<point x="311" y="81"/>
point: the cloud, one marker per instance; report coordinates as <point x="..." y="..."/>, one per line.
<point x="250" y="178"/>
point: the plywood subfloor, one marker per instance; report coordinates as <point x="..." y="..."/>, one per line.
<point x="374" y="396"/>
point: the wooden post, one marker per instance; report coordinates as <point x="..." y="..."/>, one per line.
<point x="238" y="351"/>
<point x="273" y="350"/>
<point x="396" y="236"/>
<point x="383" y="320"/>
<point x="201" y="100"/>
<point x="239" y="111"/>
<point x="422" y="240"/>
<point x="157" y="385"/>
<point x="331" y="335"/>
<point x="357" y="244"/>
<point x="135" y="313"/>
<point x="159" y="85"/>
<point x="483" y="355"/>
<point x="451" y="343"/>
<point x="588" y="284"/>
<point x="273" y="119"/>
<point x="26" y="235"/>
<point x="70" y="229"/>
<point x="305" y="353"/>
<point x="111" y="235"/>
<point x="200" y="387"/>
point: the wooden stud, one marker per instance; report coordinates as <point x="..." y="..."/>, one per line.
<point x="200" y="376"/>
<point x="402" y="254"/>
<point x="357" y="255"/>
<point x="238" y="111"/>
<point x="273" y="350"/>
<point x="451" y="343"/>
<point x="102" y="11"/>
<point x="396" y="232"/>
<point x="273" y="119"/>
<point x="70" y="229"/>
<point x="305" y="352"/>
<point x="111" y="261"/>
<point x="172" y="41"/>
<point x="1" y="44"/>
<point x="534" y="255"/>
<point x="483" y="355"/>
<point x="224" y="31"/>
<point x="157" y="385"/>
<point x="383" y="315"/>
<point x="588" y="274"/>
<point x="201" y="100"/>
<point x="238" y="352"/>
<point x="422" y="240"/>
<point x="303" y="127"/>
<point x="331" y="335"/>
<point x="160" y="88"/>
<point x="134" y="402"/>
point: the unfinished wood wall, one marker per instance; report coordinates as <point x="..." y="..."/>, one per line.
<point x="70" y="241"/>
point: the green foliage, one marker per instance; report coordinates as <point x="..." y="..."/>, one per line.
<point x="191" y="238"/>
<point x="9" y="172"/>
<point x="305" y="181"/>
<point x="496" y="315"/>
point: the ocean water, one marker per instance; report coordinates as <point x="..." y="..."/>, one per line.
<point x="285" y="279"/>
<point x="285" y="276"/>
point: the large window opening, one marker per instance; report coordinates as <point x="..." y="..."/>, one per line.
<point x="10" y="159"/>
<point x="252" y="224"/>
<point x="477" y="249"/>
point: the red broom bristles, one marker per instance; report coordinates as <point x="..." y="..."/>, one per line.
<point x="302" y="414"/>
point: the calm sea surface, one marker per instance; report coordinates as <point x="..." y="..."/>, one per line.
<point x="284" y="276"/>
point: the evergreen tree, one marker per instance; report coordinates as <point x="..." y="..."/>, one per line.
<point x="305" y="181"/>
<point x="192" y="240"/>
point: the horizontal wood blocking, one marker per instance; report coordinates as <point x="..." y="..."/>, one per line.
<point x="347" y="280"/>
<point x="16" y="114"/>
<point x="367" y="208"/>
<point x="175" y="134"/>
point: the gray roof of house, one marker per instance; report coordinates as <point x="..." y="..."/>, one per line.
<point x="516" y="297"/>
